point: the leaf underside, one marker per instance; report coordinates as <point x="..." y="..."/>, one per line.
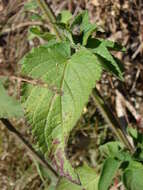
<point x="53" y="115"/>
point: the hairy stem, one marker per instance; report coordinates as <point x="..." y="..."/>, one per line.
<point x="111" y="120"/>
<point x="30" y="149"/>
<point x="50" y="17"/>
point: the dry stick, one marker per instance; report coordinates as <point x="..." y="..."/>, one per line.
<point x="111" y="120"/>
<point x="14" y="27"/>
<point x="26" y="144"/>
<point x="122" y="115"/>
<point x="132" y="110"/>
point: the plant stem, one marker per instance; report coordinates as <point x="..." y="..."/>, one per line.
<point x="50" y="17"/>
<point x="111" y="120"/>
<point x="28" y="146"/>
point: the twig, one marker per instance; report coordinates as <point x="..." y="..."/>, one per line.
<point x="15" y="27"/>
<point x="50" y="17"/>
<point x="27" y="145"/>
<point x="111" y="120"/>
<point x="132" y="110"/>
<point x="122" y="115"/>
<point x="139" y="49"/>
<point x="135" y="81"/>
<point x="35" y="82"/>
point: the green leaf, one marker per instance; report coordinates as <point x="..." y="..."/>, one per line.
<point x="111" y="148"/>
<point x="36" y="32"/>
<point x="88" y="33"/>
<point x="94" y="42"/>
<point x="35" y="16"/>
<point x="109" y="170"/>
<point x="9" y="107"/>
<point x="109" y="62"/>
<point x="133" y="177"/>
<point x="54" y="113"/>
<point x="77" y="20"/>
<point x="86" y="27"/>
<point x="65" y="184"/>
<point x="88" y="177"/>
<point x="30" y="5"/>
<point x="85" y="24"/>
<point x="65" y="16"/>
<point x="112" y="45"/>
<point x="133" y="132"/>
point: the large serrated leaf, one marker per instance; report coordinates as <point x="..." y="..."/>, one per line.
<point x="51" y="114"/>
<point x="9" y="107"/>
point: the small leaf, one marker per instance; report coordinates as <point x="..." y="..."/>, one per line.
<point x="65" y="16"/>
<point x="112" y="45"/>
<point x="109" y="61"/>
<point x="109" y="170"/>
<point x="88" y="33"/>
<point x="35" y="16"/>
<point x="94" y="42"/>
<point x="85" y="24"/>
<point x="88" y="177"/>
<point x="77" y="20"/>
<point x="9" y="107"/>
<point x="111" y="148"/>
<point x="65" y="184"/>
<point x="133" y="177"/>
<point x="86" y="27"/>
<point x="30" y="5"/>
<point x="36" y="32"/>
<point x="133" y="132"/>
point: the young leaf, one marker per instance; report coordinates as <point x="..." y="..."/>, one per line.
<point x="36" y="32"/>
<point x="89" y="180"/>
<point x="94" y="42"/>
<point x="133" y="177"/>
<point x="110" y="149"/>
<point x="109" y="62"/>
<point x="65" y="184"/>
<point x="65" y="17"/>
<point x="53" y="114"/>
<point x="77" y="20"/>
<point x="113" y="45"/>
<point x="109" y="170"/>
<point x="88" y="33"/>
<point x="9" y="107"/>
<point x="85" y="26"/>
<point x="30" y="5"/>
